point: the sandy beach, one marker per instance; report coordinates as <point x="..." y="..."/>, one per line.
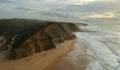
<point x="70" y="55"/>
<point x="39" y="61"/>
<point x="77" y="59"/>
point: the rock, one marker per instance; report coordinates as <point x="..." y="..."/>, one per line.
<point x="44" y="36"/>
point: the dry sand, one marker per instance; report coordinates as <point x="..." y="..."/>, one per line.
<point x="39" y="61"/>
<point x="77" y="59"/>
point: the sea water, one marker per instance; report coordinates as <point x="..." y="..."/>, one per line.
<point x="104" y="45"/>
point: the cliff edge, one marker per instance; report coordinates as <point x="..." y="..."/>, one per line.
<point x="38" y="37"/>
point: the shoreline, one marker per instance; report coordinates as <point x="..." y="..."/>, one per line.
<point x="39" y="61"/>
<point x="77" y="59"/>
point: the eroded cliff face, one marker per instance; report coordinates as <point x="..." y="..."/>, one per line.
<point x="24" y="37"/>
<point x="45" y="38"/>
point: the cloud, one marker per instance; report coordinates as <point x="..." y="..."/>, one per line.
<point x="104" y="15"/>
<point x="67" y="10"/>
<point x="6" y="1"/>
<point x="83" y="2"/>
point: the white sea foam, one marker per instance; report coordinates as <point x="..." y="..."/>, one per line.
<point x="104" y="46"/>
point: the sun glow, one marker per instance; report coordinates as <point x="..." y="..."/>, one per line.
<point x="82" y="2"/>
<point x="104" y="15"/>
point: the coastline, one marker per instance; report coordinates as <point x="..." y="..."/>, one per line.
<point x="69" y="55"/>
<point x="77" y="59"/>
<point x="39" y="61"/>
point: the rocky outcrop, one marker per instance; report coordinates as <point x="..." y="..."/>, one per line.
<point x="37" y="43"/>
<point x="42" y="36"/>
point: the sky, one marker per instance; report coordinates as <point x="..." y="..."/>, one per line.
<point x="88" y="11"/>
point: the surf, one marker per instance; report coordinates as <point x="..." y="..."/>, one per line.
<point x="105" y="47"/>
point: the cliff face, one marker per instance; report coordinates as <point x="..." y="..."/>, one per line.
<point x="28" y="37"/>
<point x="44" y="39"/>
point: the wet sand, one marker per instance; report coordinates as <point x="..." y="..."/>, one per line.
<point x="77" y="59"/>
<point x="39" y="61"/>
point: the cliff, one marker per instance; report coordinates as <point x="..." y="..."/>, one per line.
<point x="37" y="38"/>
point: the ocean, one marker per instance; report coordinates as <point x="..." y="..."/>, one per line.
<point x="104" y="41"/>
